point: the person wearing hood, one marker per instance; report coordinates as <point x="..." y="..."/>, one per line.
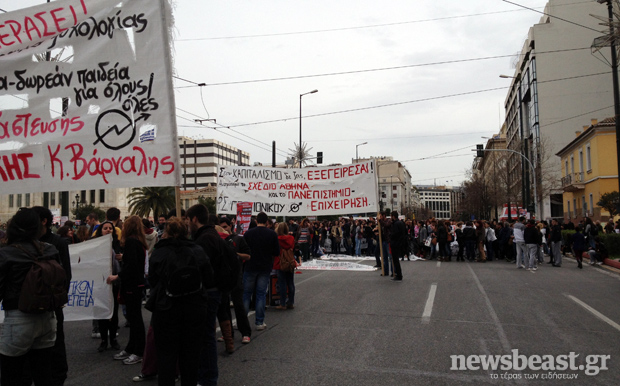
<point x="285" y="278"/>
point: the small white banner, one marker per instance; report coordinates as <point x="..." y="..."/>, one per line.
<point x="321" y="265"/>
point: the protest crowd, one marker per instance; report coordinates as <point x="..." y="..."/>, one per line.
<point x="190" y="271"/>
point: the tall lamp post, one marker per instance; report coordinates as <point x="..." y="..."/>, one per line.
<point x="614" y="72"/>
<point x="77" y="204"/>
<point x="300" y="147"/>
<point x="356" y="154"/>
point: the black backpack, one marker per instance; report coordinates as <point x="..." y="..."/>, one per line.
<point x="45" y="285"/>
<point x="183" y="275"/>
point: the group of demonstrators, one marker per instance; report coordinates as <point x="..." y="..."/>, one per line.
<point x="192" y="267"/>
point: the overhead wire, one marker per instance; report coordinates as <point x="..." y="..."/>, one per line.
<point x="361" y="27"/>
<point x="555" y="17"/>
<point x="196" y="84"/>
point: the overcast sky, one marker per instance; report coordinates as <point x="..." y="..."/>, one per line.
<point x="222" y="42"/>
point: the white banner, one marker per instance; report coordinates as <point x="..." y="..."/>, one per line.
<point x="89" y="295"/>
<point x="109" y="66"/>
<point x="330" y="190"/>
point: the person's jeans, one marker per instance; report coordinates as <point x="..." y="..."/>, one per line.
<point x="470" y="246"/>
<point x="207" y="369"/>
<point x="305" y="251"/>
<point x="286" y="282"/>
<point x="358" y="246"/>
<point x="533" y="255"/>
<point x="522" y="253"/>
<point x="556" y="250"/>
<point x="490" y="251"/>
<point x="260" y="280"/>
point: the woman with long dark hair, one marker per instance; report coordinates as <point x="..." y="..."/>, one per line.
<point x="26" y="337"/>
<point x="132" y="281"/>
<point x="108" y="327"/>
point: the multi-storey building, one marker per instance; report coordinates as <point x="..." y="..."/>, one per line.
<point x="557" y="83"/>
<point x="589" y="169"/>
<point x="492" y="169"/>
<point x="199" y="160"/>
<point x="439" y="201"/>
<point x="394" y="185"/>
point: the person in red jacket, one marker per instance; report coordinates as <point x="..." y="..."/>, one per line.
<point x="285" y="278"/>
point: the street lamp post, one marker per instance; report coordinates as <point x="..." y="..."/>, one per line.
<point x="77" y="204"/>
<point x="300" y="147"/>
<point x="616" y="86"/>
<point x="356" y="154"/>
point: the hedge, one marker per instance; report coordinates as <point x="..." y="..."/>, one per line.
<point x="611" y="241"/>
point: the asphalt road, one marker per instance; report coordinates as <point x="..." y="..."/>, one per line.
<point x="358" y="328"/>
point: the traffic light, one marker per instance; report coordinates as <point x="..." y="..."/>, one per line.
<point x="319" y="157"/>
<point x="479" y="151"/>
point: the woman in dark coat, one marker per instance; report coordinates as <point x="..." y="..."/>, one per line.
<point x="179" y="314"/>
<point x="132" y="281"/>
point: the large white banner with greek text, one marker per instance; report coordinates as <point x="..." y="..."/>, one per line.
<point x="86" y="97"/>
<point x="330" y="190"/>
<point x="89" y="295"/>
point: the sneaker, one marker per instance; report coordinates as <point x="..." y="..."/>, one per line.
<point x="95" y="335"/>
<point x="245" y="340"/>
<point x="220" y="339"/>
<point x="121" y="355"/>
<point x="261" y="327"/>
<point x="142" y="377"/>
<point x="528" y="269"/>
<point x="132" y="360"/>
<point x="290" y="306"/>
<point x="534" y="269"/>
<point x="599" y="263"/>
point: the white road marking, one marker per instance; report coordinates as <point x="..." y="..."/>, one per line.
<point x="594" y="312"/>
<point x="498" y="325"/>
<point x="428" y="309"/>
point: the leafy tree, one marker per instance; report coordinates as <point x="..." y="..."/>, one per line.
<point x="209" y="203"/>
<point x="84" y="210"/>
<point x="146" y="199"/>
<point x="609" y="202"/>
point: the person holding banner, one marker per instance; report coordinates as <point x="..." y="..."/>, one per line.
<point x="108" y="327"/>
<point x="27" y="340"/>
<point x="131" y="276"/>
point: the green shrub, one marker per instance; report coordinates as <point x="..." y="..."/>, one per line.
<point x="567" y="237"/>
<point x="612" y="242"/>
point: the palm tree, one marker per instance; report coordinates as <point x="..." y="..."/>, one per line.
<point x="158" y="199"/>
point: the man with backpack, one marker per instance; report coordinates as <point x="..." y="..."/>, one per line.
<point x="226" y="270"/>
<point x="265" y="247"/>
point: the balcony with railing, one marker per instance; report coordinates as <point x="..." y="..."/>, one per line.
<point x="573" y="182"/>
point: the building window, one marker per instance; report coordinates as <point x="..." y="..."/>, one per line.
<point x="27" y="199"/>
<point x="585" y="206"/>
<point x="11" y="200"/>
<point x="565" y="167"/>
<point x="394" y="187"/>
<point x="568" y="206"/>
<point x="575" y="206"/>
<point x="53" y="198"/>
<point x="19" y="200"/>
<point x="101" y="196"/>
<point x="592" y="203"/>
<point x="83" y="197"/>
<point x="581" y="169"/>
<point x="572" y="166"/>
<point x="92" y="197"/>
<point x="588" y="158"/>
